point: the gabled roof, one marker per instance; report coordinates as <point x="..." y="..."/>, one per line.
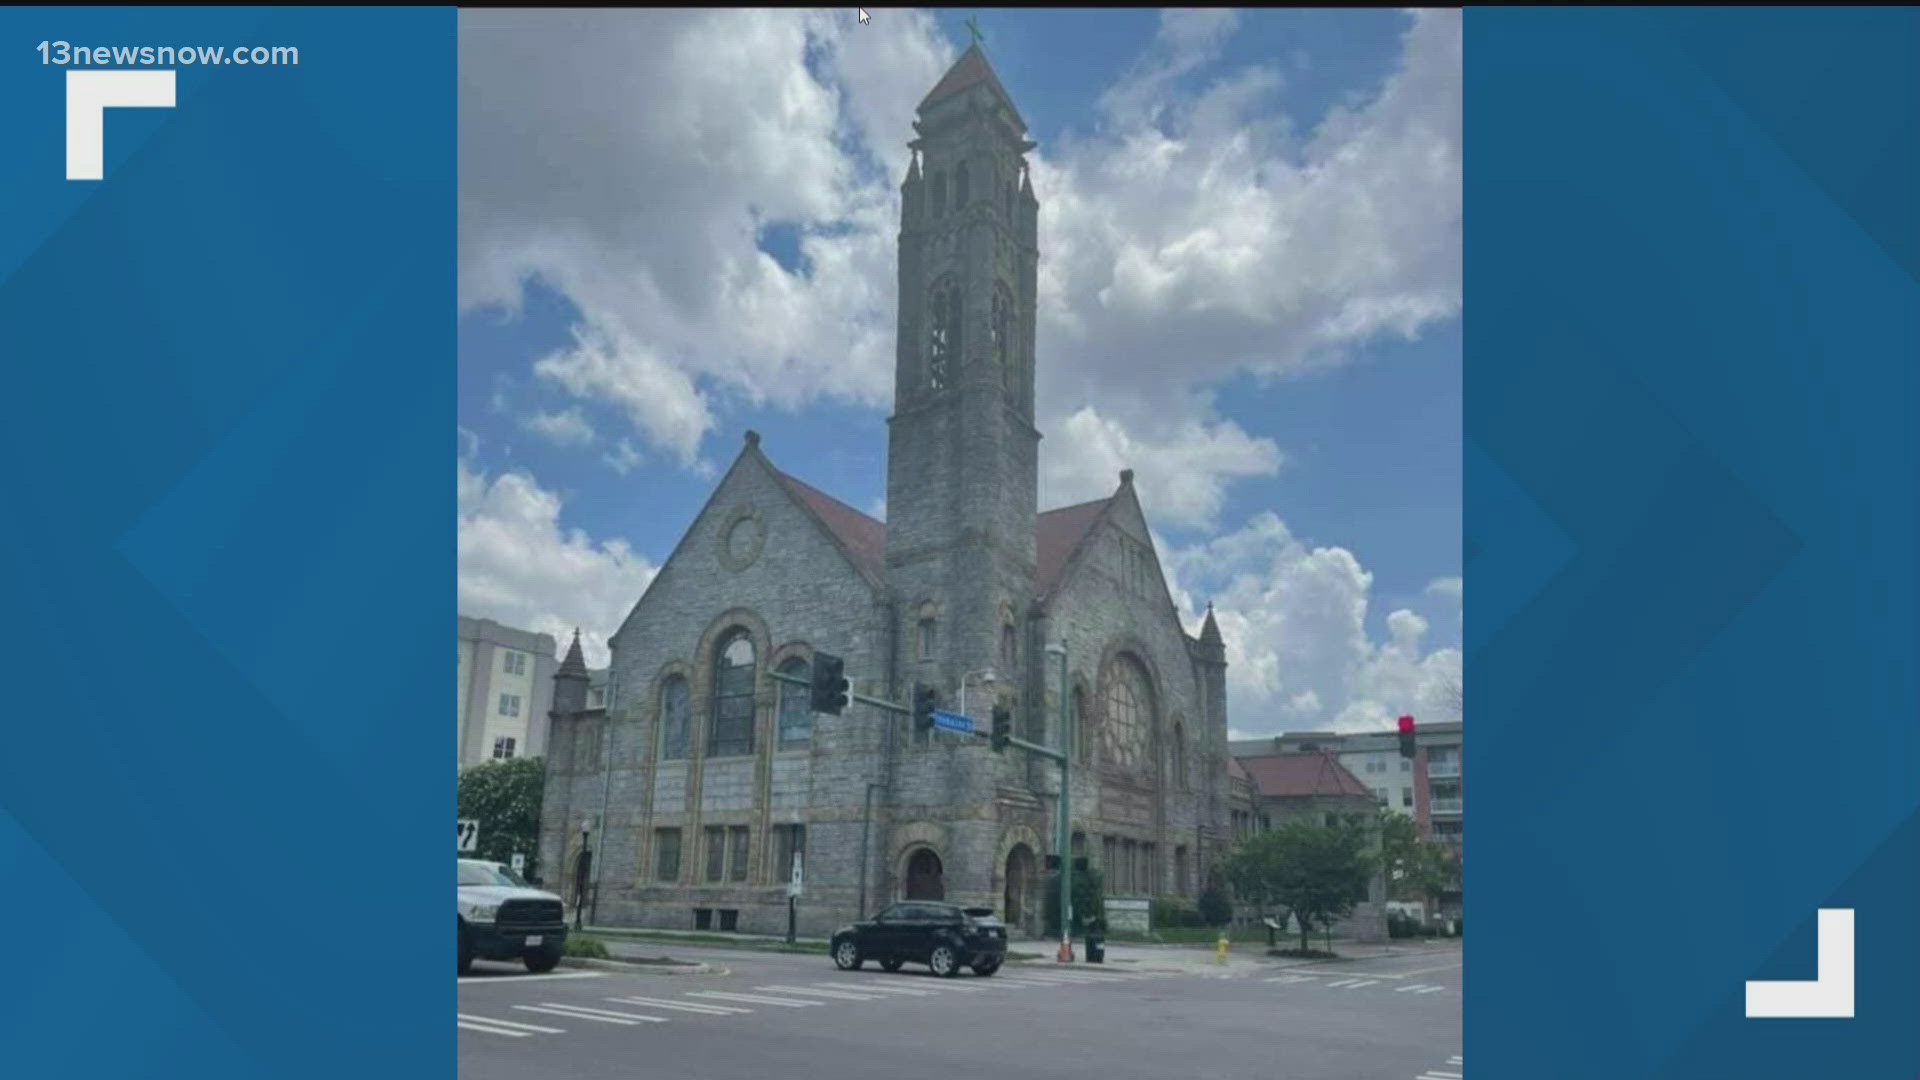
<point x="1299" y="775"/>
<point x="969" y="71"/>
<point x="861" y="537"/>
<point x="1235" y="770"/>
<point x="1058" y="534"/>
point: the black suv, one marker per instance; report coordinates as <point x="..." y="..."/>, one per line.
<point x="945" y="937"/>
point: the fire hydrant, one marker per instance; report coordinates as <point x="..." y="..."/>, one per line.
<point x="1220" y="950"/>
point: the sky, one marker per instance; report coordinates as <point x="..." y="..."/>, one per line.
<point x="680" y="225"/>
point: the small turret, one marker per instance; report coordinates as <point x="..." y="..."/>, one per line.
<point x="570" y="682"/>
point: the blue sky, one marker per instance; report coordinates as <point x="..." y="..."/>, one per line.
<point x="638" y="290"/>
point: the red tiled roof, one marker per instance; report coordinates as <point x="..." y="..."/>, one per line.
<point x="1058" y="535"/>
<point x="864" y="539"/>
<point x="1301" y="774"/>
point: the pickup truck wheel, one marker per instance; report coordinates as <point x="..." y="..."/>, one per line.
<point x="541" y="961"/>
<point x="466" y="949"/>
<point x="846" y="956"/>
<point x="891" y="964"/>
<point x="986" y="967"/>
<point x="943" y="961"/>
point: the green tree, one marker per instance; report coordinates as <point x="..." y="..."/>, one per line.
<point x="504" y="798"/>
<point x="1417" y="868"/>
<point x="1315" y="871"/>
<point x="1089" y="901"/>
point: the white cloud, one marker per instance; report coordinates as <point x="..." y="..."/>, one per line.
<point x="564" y="428"/>
<point x="518" y="567"/>
<point x="623" y="458"/>
<point x="629" y="159"/>
<point x="1294" y="620"/>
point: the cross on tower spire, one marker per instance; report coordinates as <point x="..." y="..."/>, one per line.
<point x="974" y="29"/>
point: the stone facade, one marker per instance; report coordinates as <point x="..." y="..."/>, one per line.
<point x="965" y="578"/>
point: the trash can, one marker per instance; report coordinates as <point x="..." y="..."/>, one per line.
<point x="1096" y="949"/>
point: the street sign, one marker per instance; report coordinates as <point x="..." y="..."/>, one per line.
<point x="519" y="863"/>
<point x="469" y="835"/>
<point x="794" y="883"/>
<point x="951" y="721"/>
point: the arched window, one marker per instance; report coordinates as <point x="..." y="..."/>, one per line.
<point x="939" y="194"/>
<point x="796" y="706"/>
<point x="960" y="187"/>
<point x="675" y="713"/>
<point x="943" y="333"/>
<point x="928" y="632"/>
<point x="1082" y="730"/>
<point x="1002" y="325"/>
<point x="1009" y="652"/>
<point x="1179" y="756"/>
<point x="731" y="733"/>
<point x="1129" y="701"/>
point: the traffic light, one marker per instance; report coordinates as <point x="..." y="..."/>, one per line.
<point x="1002" y="726"/>
<point x="925" y="700"/>
<point x="830" y="685"/>
<point x="1406" y="737"/>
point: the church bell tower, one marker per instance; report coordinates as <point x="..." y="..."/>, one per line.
<point x="962" y="451"/>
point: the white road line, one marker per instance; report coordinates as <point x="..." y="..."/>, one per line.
<point x="509" y="979"/>
<point x="604" y="1016"/>
<point x="494" y="1030"/>
<point x="837" y="995"/>
<point x="1363" y="982"/>
<point x="683" y="1006"/>
<point x="1443" y="1075"/>
<point x="753" y="999"/>
<point x="867" y="988"/>
<point x="1409" y="986"/>
<point x="1430" y="989"/>
<point x="1454" y="1060"/>
<point x="1341" y="983"/>
<point x="511" y="1024"/>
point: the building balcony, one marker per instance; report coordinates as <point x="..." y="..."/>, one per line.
<point x="1442" y="770"/>
<point x="1444" y="806"/>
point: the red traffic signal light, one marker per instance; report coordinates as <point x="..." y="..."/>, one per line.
<point x="1407" y="748"/>
<point x="1406" y="725"/>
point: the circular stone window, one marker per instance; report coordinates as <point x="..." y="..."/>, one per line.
<point x="741" y="539"/>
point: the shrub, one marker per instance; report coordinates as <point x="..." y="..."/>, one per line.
<point x="588" y="948"/>
<point x="1172" y="913"/>
<point x="1215" y="908"/>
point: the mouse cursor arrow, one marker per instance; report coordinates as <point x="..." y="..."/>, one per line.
<point x="864" y="17"/>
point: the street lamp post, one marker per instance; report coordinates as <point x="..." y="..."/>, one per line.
<point x="986" y="676"/>
<point x="1064" y="845"/>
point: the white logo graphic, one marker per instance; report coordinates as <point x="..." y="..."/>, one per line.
<point x="1830" y="994"/>
<point x="89" y="95"/>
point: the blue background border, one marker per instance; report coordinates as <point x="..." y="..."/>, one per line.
<point x="1691" y="492"/>
<point x="227" y="544"/>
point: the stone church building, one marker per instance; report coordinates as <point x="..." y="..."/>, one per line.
<point x="702" y="777"/>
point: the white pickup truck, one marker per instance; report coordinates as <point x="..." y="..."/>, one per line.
<point x="504" y="918"/>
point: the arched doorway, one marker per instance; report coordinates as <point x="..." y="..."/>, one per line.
<point x="1019" y="907"/>
<point x="924" y="876"/>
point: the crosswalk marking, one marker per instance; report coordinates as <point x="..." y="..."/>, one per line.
<point x="1409" y="986"/>
<point x="753" y="999"/>
<point x="470" y="1026"/>
<point x="504" y="980"/>
<point x="511" y="1024"/>
<point x="683" y="1006"/>
<point x="1289" y="979"/>
<point x="1363" y="982"/>
<point x="1429" y="989"/>
<point x="1454" y="1060"/>
<point x="866" y="988"/>
<point x="581" y="1012"/>
<point x="836" y="995"/>
<point x="1434" y="1074"/>
<point x="1341" y="983"/>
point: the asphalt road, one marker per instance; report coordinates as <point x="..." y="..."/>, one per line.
<point x="798" y="1018"/>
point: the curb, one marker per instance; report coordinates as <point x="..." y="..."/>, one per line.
<point x="632" y="968"/>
